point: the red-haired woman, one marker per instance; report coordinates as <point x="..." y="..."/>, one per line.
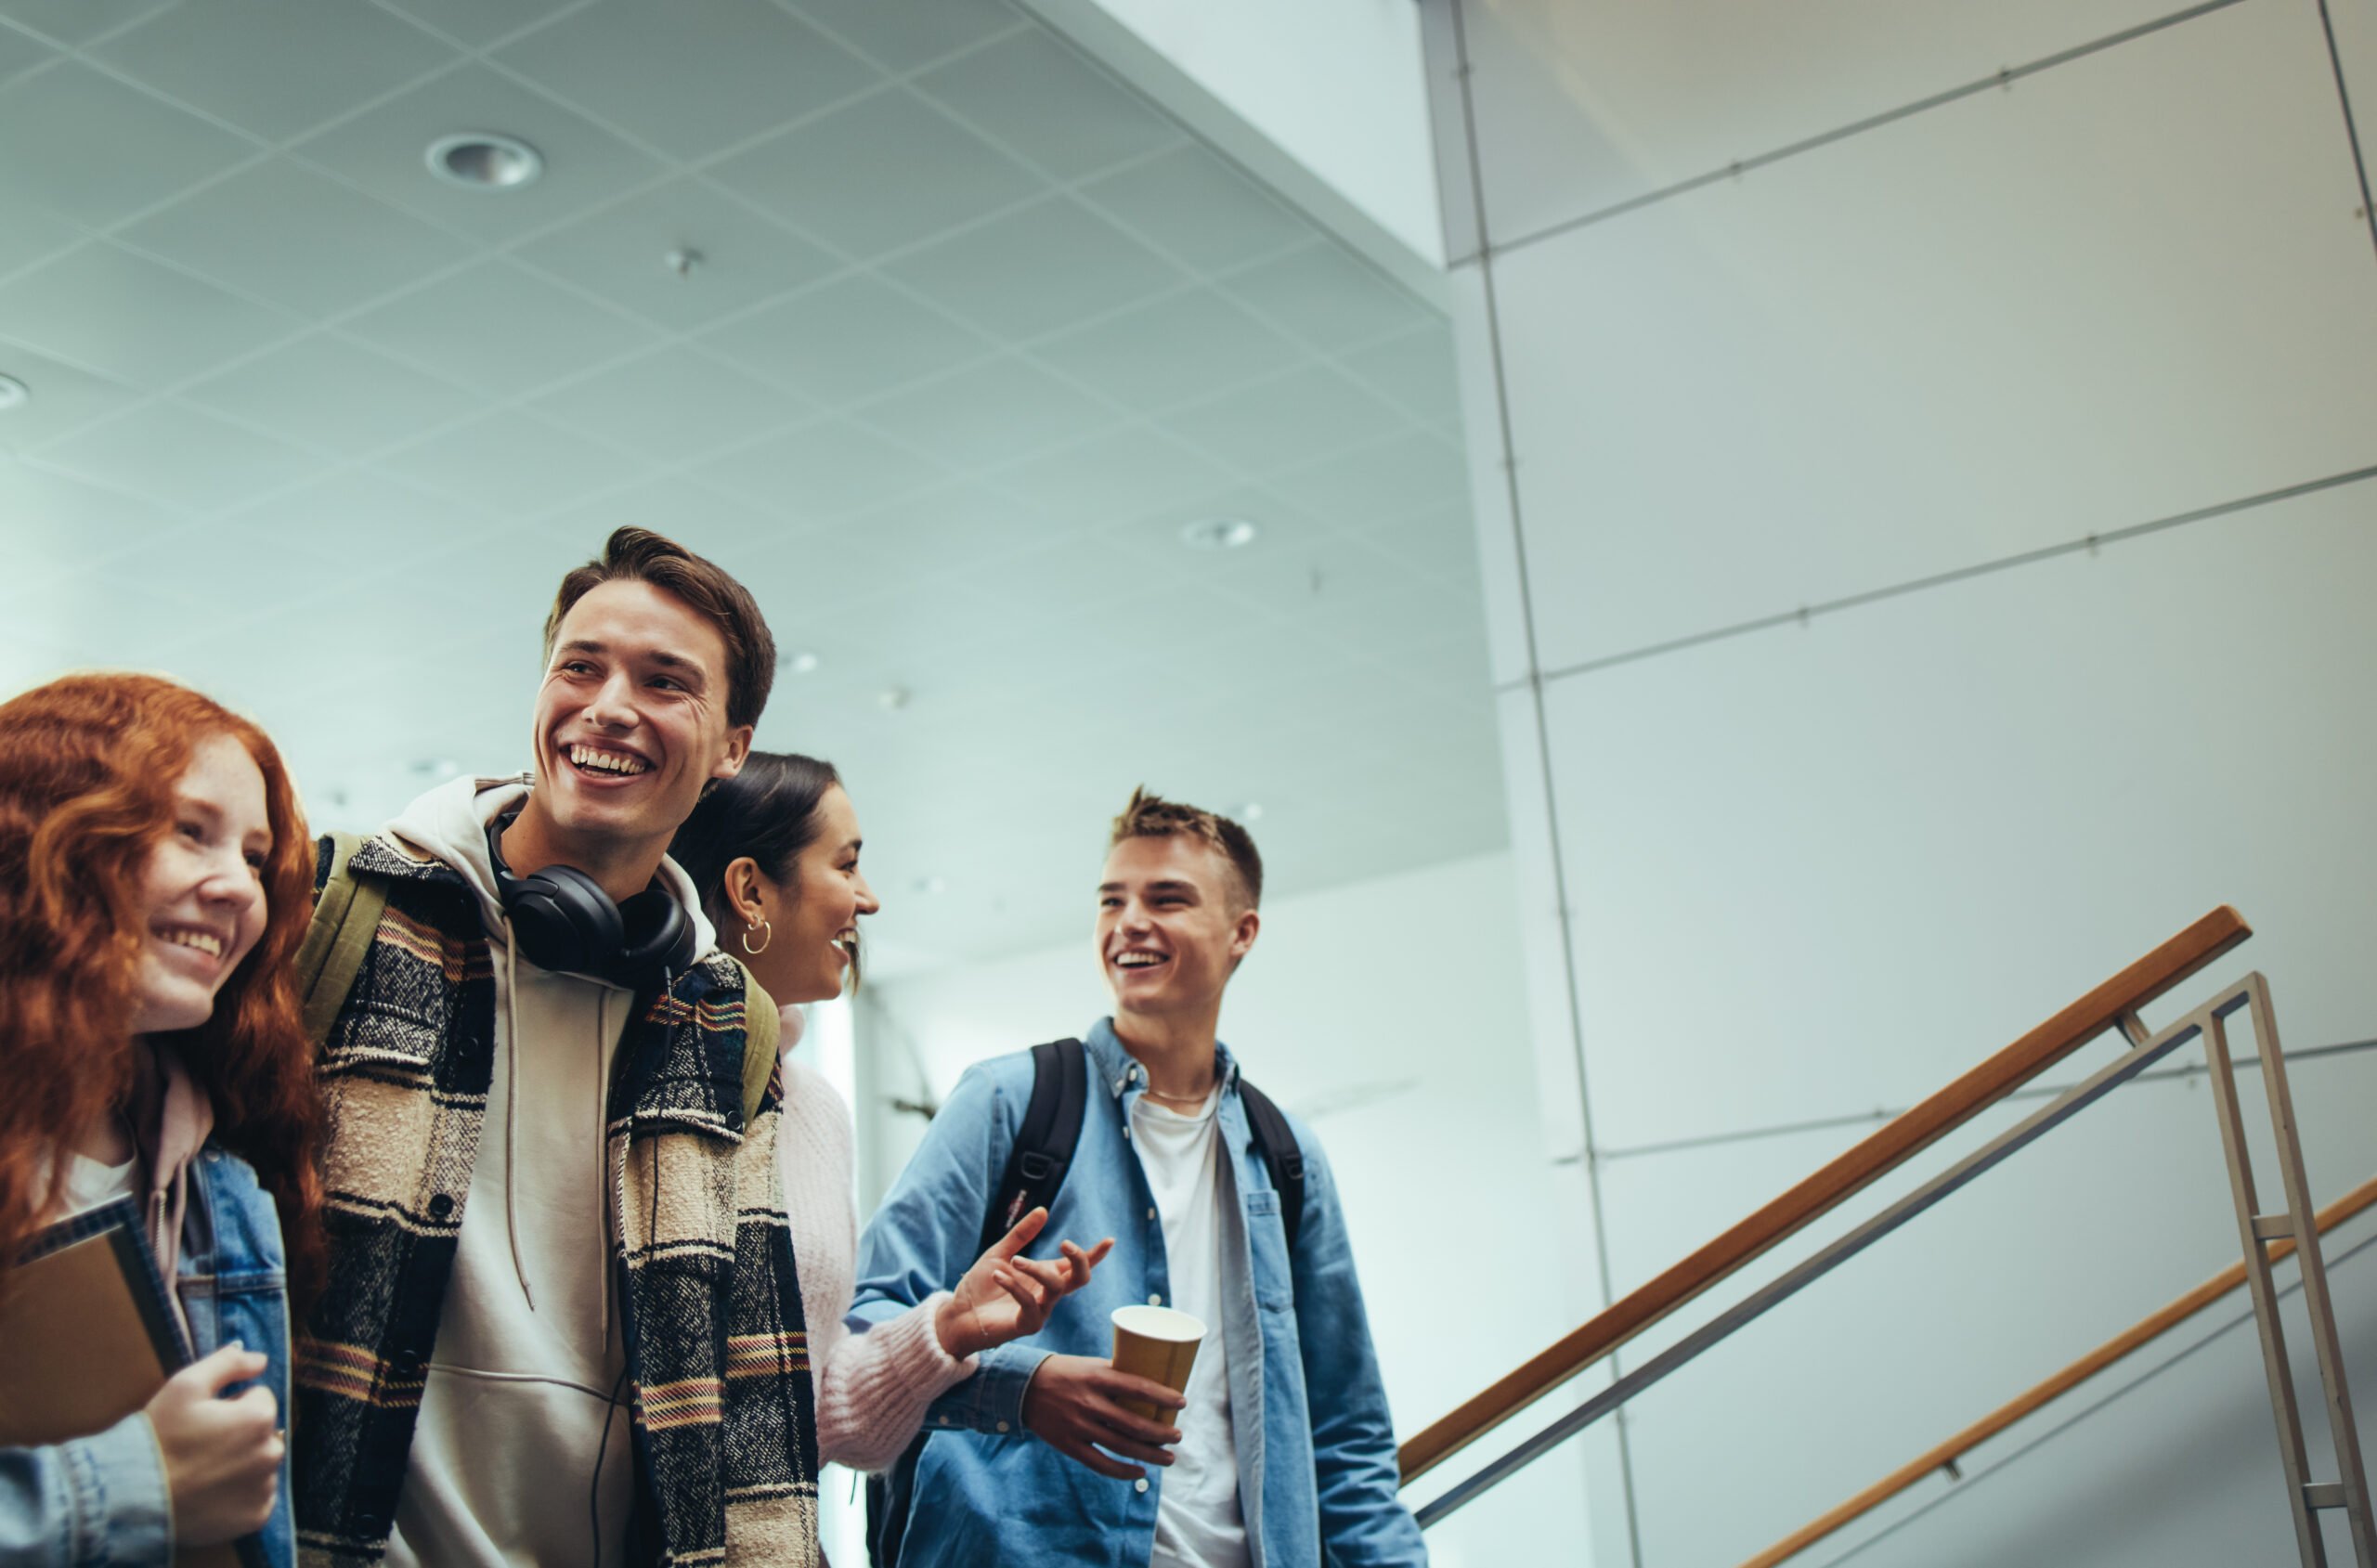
<point x="155" y="882"/>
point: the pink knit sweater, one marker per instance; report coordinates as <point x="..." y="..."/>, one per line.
<point x="872" y="1388"/>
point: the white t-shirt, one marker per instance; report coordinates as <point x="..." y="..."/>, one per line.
<point x="89" y="1184"/>
<point x="1198" y="1521"/>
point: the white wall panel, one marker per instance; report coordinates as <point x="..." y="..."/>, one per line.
<point x="1583" y="104"/>
<point x="2020" y="318"/>
<point x="2064" y="1247"/>
<point x="1820" y="871"/>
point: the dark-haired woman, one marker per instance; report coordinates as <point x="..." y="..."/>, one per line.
<point x="155" y="882"/>
<point x="775" y="853"/>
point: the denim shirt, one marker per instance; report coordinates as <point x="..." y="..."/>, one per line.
<point x="100" y="1501"/>
<point x="1316" y="1448"/>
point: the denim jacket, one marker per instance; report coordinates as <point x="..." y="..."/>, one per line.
<point x="100" y="1501"/>
<point x="1316" y="1469"/>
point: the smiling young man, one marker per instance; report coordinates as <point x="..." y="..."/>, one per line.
<point x="1282" y="1454"/>
<point x="561" y="1325"/>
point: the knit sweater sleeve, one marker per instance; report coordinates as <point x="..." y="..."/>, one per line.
<point x="872" y="1388"/>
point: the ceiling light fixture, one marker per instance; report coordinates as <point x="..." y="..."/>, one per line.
<point x="802" y="662"/>
<point x="485" y="161"/>
<point x="14" y="393"/>
<point x="1218" y="533"/>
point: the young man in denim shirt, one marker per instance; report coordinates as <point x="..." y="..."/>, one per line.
<point x="1284" y="1451"/>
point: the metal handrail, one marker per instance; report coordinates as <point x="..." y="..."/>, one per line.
<point x="2145" y="1330"/>
<point x="2106" y="1008"/>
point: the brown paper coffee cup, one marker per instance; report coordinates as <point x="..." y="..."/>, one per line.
<point x="1159" y="1344"/>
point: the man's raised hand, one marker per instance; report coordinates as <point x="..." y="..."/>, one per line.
<point x="1005" y="1296"/>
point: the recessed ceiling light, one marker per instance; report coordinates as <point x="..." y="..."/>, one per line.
<point x="14" y="393"/>
<point x="1250" y="812"/>
<point x="891" y="699"/>
<point x="1218" y="533"/>
<point x="801" y="663"/>
<point x="485" y="161"/>
<point x="931" y="885"/>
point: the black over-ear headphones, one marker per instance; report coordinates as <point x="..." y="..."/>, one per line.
<point x="564" y="923"/>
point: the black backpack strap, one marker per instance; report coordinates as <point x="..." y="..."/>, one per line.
<point x="1277" y="1143"/>
<point x="1042" y="1152"/>
<point x="1044" y="1143"/>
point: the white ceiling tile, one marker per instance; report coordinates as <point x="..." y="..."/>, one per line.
<point x="512" y="462"/>
<point x="1157" y="531"/>
<point x="329" y="393"/>
<point x="182" y="456"/>
<point x="1121" y="474"/>
<point x="131" y="150"/>
<point x="1328" y="299"/>
<point x="1406" y="473"/>
<point x="1037" y="269"/>
<point x="955" y="528"/>
<point x="709" y="522"/>
<point x="1415" y="371"/>
<point x="834" y="571"/>
<point x="60" y="398"/>
<point x="356" y="517"/>
<point x="285" y="232"/>
<point x="324" y="58"/>
<point x="877" y="174"/>
<point x="823" y="469"/>
<point x="52" y="521"/>
<point x="1301" y="415"/>
<point x="1440" y="543"/>
<point x="1062" y="580"/>
<point x="1040" y="100"/>
<point x="1308" y="580"/>
<point x="499" y="329"/>
<point x="133" y="319"/>
<point x="386" y="149"/>
<point x="101" y="619"/>
<point x="77" y="21"/>
<point x="905" y="34"/>
<point x="986" y="413"/>
<point x="847" y="340"/>
<point x="31" y="236"/>
<point x="20" y="52"/>
<point x="622" y="253"/>
<point x="1174" y="350"/>
<point x="676" y="402"/>
<point x="690" y="77"/>
<point x="479" y="23"/>
<point x="1192" y="205"/>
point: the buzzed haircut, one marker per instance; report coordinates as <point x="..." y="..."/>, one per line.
<point x="1152" y="816"/>
<point x="640" y="555"/>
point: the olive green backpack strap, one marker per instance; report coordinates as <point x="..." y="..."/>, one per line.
<point x="762" y="1026"/>
<point x="346" y="915"/>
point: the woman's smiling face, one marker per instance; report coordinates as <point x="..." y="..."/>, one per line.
<point x="813" y="917"/>
<point x="202" y="903"/>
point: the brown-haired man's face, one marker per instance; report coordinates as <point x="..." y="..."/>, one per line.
<point x="1170" y="925"/>
<point x="630" y="720"/>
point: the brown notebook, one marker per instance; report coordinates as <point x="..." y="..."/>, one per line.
<point x="85" y="1339"/>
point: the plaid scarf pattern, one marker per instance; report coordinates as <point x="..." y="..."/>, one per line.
<point x="724" y="1423"/>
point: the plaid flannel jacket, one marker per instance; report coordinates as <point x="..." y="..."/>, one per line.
<point x="717" y="1359"/>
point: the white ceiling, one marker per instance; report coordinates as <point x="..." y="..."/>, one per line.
<point x="974" y="332"/>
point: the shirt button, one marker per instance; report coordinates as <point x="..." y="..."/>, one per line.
<point x="440" y="1206"/>
<point x="1151" y="1213"/>
<point x="1141" y="1485"/>
<point x="945" y="1420"/>
<point x="1155" y="1298"/>
<point x="1002" y="1426"/>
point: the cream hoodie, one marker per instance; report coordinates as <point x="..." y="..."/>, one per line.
<point x="523" y="1432"/>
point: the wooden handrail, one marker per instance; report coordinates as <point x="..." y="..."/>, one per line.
<point x="1899" y="1140"/>
<point x="2080" y="1371"/>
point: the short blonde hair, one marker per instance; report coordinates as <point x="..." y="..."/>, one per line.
<point x="1152" y="816"/>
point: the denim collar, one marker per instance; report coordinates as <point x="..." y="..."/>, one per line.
<point x="1119" y="1072"/>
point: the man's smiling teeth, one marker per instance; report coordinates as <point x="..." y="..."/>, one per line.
<point x="206" y="942"/>
<point x="607" y="761"/>
<point x="1138" y="960"/>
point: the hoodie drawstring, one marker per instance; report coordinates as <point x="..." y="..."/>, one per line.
<point x="512" y="1107"/>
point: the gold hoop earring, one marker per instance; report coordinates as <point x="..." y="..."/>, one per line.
<point x="756" y="925"/>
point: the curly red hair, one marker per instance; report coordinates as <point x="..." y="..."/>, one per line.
<point x="88" y="769"/>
